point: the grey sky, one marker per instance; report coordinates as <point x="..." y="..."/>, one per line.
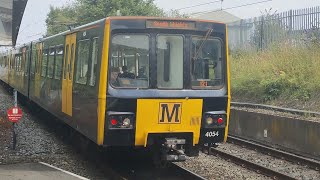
<point x="33" y="22"/>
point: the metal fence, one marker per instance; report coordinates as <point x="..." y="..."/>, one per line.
<point x="300" y="26"/>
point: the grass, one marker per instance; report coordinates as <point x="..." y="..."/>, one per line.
<point x="281" y="75"/>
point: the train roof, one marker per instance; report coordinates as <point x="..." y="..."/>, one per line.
<point x="120" y="18"/>
<point x="160" y="18"/>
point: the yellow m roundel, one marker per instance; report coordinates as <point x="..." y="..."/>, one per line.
<point x="170" y="113"/>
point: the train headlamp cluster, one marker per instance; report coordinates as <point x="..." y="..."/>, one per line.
<point x="116" y="120"/>
<point x="214" y="119"/>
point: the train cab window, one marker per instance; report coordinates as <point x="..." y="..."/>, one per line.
<point x="58" y="63"/>
<point x="206" y="63"/>
<point x="130" y="54"/>
<point x="94" y="59"/>
<point x="83" y="61"/>
<point x="44" y="63"/>
<point x="170" y="61"/>
<point x="51" y="62"/>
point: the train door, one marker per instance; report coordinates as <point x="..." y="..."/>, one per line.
<point x="37" y="70"/>
<point x="67" y="77"/>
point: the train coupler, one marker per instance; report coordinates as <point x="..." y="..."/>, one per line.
<point x="173" y="150"/>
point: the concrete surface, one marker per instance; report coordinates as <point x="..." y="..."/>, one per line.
<point x="35" y="171"/>
<point x="294" y="135"/>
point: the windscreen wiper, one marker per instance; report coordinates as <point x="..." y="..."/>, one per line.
<point x="202" y="43"/>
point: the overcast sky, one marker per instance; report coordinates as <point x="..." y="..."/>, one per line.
<point x="33" y="22"/>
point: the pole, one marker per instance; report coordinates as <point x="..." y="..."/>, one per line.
<point x="14" y="136"/>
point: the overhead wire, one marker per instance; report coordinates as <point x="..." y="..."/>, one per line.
<point x="197" y="5"/>
<point x="243" y="5"/>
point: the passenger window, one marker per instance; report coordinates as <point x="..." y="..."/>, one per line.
<point x="26" y="62"/>
<point x="16" y="62"/>
<point x="51" y="62"/>
<point x="71" y="62"/>
<point x="33" y="61"/>
<point x="82" y="61"/>
<point x="20" y="63"/>
<point x="66" y="62"/>
<point x="94" y="59"/>
<point x="58" y="64"/>
<point x="44" y="63"/>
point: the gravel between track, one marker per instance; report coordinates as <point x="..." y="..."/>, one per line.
<point x="286" y="167"/>
<point x="36" y="142"/>
<point x="213" y="167"/>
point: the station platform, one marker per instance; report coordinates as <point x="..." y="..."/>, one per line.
<point x="35" y="171"/>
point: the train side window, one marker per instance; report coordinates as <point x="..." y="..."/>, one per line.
<point x="58" y="63"/>
<point x="20" y="63"/>
<point x="44" y="63"/>
<point x="16" y="62"/>
<point x="71" y="62"/>
<point x="82" y="61"/>
<point x="33" y="60"/>
<point x="94" y="59"/>
<point x="13" y="61"/>
<point x="51" y="62"/>
<point x="5" y="61"/>
<point x="66" y="62"/>
<point x="23" y="62"/>
<point x="26" y="62"/>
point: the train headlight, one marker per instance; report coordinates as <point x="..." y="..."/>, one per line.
<point x="120" y="120"/>
<point x="214" y="119"/>
<point x="209" y="120"/>
<point x="126" y="122"/>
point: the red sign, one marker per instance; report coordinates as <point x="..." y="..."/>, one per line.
<point x="14" y="114"/>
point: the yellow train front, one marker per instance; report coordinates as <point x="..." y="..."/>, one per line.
<point x="168" y="85"/>
<point x="155" y="83"/>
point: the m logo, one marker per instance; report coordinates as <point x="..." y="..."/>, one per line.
<point x="170" y="113"/>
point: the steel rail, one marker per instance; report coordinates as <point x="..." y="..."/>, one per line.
<point x="190" y="174"/>
<point x="250" y="165"/>
<point x="275" y="108"/>
<point x="275" y="152"/>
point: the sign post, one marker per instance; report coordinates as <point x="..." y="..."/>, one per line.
<point x="14" y="115"/>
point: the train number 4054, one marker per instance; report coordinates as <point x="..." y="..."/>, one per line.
<point x="212" y="134"/>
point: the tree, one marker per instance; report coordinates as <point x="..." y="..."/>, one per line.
<point x="59" y="19"/>
<point x="84" y="11"/>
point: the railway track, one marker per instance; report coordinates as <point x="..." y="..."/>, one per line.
<point x="250" y="165"/>
<point x="144" y="171"/>
<point x="310" y="163"/>
<point x="275" y="152"/>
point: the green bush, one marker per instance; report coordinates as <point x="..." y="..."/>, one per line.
<point x="281" y="72"/>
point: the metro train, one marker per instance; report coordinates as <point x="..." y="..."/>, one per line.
<point x="144" y="82"/>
